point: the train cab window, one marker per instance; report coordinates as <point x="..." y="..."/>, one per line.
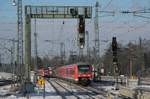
<point x="83" y="68"/>
<point x="72" y="71"/>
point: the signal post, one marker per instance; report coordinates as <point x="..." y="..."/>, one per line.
<point x="115" y="60"/>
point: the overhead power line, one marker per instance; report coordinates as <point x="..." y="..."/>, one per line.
<point x="135" y="12"/>
<point x="108" y="4"/>
<point x="142" y="16"/>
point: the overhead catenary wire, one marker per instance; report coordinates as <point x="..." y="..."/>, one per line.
<point x="142" y="16"/>
<point x="107" y="5"/>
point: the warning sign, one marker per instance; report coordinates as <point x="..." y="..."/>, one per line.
<point x="41" y="82"/>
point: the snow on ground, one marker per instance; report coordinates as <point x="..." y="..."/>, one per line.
<point x="50" y="93"/>
<point x="5" y="76"/>
<point x="4" y="90"/>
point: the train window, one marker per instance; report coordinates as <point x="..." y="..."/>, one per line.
<point x="83" y="68"/>
<point x="71" y="71"/>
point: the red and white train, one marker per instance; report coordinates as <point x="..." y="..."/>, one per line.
<point x="45" y="72"/>
<point x="80" y="73"/>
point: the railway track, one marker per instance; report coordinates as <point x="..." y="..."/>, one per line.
<point x="93" y="91"/>
<point x="5" y="82"/>
<point x="62" y="91"/>
<point x="88" y="92"/>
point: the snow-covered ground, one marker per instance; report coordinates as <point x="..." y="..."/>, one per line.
<point x="4" y="90"/>
<point x="5" y="76"/>
<point x="5" y="93"/>
<point x="50" y="93"/>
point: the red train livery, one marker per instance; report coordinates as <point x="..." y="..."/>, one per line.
<point x="45" y="72"/>
<point x="80" y="73"/>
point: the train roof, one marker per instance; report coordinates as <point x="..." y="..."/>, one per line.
<point x="79" y="63"/>
<point x="82" y="63"/>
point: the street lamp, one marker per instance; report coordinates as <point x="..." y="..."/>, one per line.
<point x="13" y="2"/>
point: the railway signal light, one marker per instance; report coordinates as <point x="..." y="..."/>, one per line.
<point x="115" y="59"/>
<point x="81" y="24"/>
<point x="73" y="12"/>
<point x="114" y="46"/>
<point x="81" y="30"/>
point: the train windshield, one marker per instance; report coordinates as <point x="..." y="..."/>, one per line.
<point x="83" y="68"/>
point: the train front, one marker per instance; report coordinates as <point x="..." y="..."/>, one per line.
<point x="84" y="74"/>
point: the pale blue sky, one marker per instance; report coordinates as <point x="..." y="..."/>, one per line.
<point x="125" y="26"/>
